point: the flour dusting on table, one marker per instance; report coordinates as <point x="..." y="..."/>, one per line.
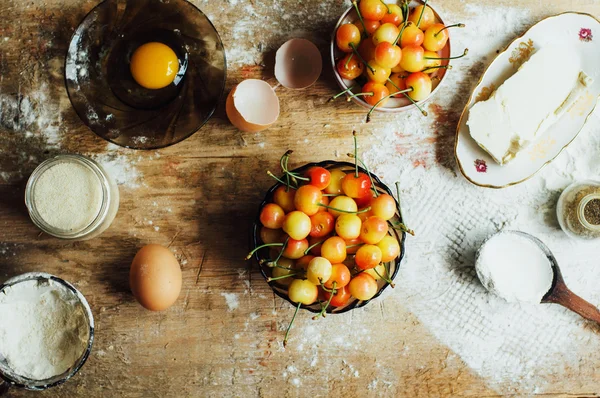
<point x="516" y="347"/>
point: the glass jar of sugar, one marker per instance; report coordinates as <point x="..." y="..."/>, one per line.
<point x="578" y="210"/>
<point x="71" y="197"/>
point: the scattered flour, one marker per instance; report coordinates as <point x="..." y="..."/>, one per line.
<point x="119" y="164"/>
<point x="516" y="347"/>
<point x="232" y="300"/>
<point x="33" y="114"/>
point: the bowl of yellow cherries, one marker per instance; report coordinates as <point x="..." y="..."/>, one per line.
<point x="390" y="57"/>
<point x="145" y="74"/>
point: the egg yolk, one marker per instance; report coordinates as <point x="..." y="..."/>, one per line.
<point x="154" y="65"/>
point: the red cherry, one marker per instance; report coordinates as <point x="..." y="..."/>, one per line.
<point x="366" y="49"/>
<point x="370" y="25"/>
<point x="356" y="187"/>
<point x="372" y="9"/>
<point x="379" y="92"/>
<point x="388" y="55"/>
<point x="307" y="199"/>
<point x="284" y="197"/>
<point x="271" y="216"/>
<point x="347" y="36"/>
<point x="340" y="274"/>
<point x="395" y="16"/>
<point x="413" y="58"/>
<point x="340" y="298"/>
<point x="364" y="201"/>
<point x="322" y="224"/>
<point x="350" y="67"/>
<point x="398" y="83"/>
<point x="319" y="177"/>
<point x="295" y="248"/>
<point x="436" y="37"/>
<point x="421" y="85"/>
<point x="412" y="36"/>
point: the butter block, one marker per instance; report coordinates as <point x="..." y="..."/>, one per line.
<point x="528" y="103"/>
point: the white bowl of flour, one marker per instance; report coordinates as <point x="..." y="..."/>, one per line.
<point x="46" y="331"/>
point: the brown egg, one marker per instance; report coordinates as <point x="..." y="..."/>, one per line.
<point x="155" y="277"/>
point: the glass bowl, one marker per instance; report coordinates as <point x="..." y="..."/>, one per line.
<point x="112" y="104"/>
<point x="393" y="105"/>
<point x="281" y="291"/>
<point x="13" y="380"/>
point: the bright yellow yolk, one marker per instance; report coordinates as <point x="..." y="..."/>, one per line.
<point x="154" y="65"/>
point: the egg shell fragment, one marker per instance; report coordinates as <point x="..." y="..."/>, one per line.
<point x="298" y="64"/>
<point x="155" y="277"/>
<point x="252" y="106"/>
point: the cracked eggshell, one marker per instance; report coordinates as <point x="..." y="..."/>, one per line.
<point x="252" y="106"/>
<point x="298" y="64"/>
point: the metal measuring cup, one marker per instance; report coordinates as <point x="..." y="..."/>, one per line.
<point x="8" y="378"/>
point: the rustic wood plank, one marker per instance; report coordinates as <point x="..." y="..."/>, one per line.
<point x="200" y="197"/>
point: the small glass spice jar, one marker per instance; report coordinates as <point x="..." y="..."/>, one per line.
<point x="578" y="210"/>
<point x="71" y="197"/>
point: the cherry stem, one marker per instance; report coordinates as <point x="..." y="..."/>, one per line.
<point x="368" y="173"/>
<point x="262" y="247"/>
<point x="422" y="12"/>
<point x="438" y="67"/>
<point x="386" y="98"/>
<point x="287" y="333"/>
<point x="287" y="184"/>
<point x="332" y="194"/>
<point x="272" y="264"/>
<point x="401" y="226"/>
<point x="369" y="94"/>
<point x="282" y="250"/>
<point x="457" y="57"/>
<point x="340" y="94"/>
<point x="386" y="6"/>
<point x="324" y="308"/>
<point x="356" y="245"/>
<point x="366" y="209"/>
<point x="401" y="31"/>
<point x="284" y="166"/>
<point x="405" y="10"/>
<point x="355" y="4"/>
<point x="355" y="154"/>
<point x="332" y="290"/>
<point x="348" y="61"/>
<point x="276" y="278"/>
<point x="385" y="278"/>
<point x="458" y="25"/>
<point x="312" y="247"/>
<point x="361" y="58"/>
<point x="415" y="104"/>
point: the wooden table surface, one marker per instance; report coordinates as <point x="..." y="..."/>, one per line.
<point x="223" y="336"/>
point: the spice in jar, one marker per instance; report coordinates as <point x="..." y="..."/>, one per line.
<point x="579" y="210"/>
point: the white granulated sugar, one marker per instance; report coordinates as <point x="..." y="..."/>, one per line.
<point x="514" y="267"/>
<point x="43" y="329"/>
<point x="68" y="196"/>
<point x="232" y="301"/>
<point x="516" y="347"/>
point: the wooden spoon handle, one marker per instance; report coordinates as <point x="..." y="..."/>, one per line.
<point x="570" y="300"/>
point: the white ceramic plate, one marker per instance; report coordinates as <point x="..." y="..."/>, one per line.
<point x="393" y="104"/>
<point x="582" y="32"/>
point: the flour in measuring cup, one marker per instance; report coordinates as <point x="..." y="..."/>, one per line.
<point x="43" y="329"/>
